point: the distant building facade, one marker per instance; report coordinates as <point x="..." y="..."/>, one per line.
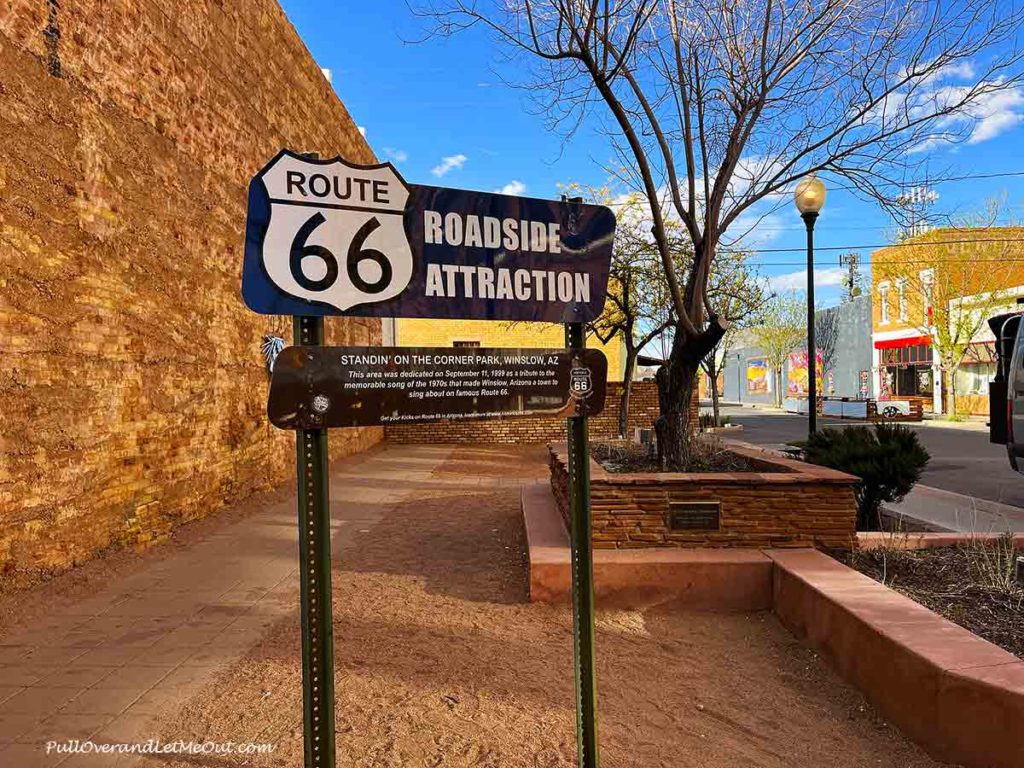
<point x="844" y="364"/>
<point x="942" y="276"/>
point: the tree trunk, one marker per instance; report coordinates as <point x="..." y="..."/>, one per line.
<point x="675" y="432"/>
<point x="714" y="397"/>
<point x="715" y="406"/>
<point x="950" y="393"/>
<point x="627" y="388"/>
<point x="677" y="382"/>
<point x="778" y="386"/>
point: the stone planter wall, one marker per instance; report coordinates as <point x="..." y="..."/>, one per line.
<point x="788" y="504"/>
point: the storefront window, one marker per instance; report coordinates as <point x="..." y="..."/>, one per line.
<point x="973" y="379"/>
<point x="907" y="371"/>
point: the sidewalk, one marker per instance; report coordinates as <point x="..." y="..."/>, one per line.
<point x="970" y="423"/>
<point x="940" y="510"/>
<point x="439" y="658"/>
<point x="142" y="646"/>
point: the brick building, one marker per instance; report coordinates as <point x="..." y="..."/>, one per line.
<point x="134" y="391"/>
<point x="932" y="290"/>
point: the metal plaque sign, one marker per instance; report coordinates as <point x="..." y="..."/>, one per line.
<point x="694" y="515"/>
<point x="318" y="387"/>
<point x="328" y="237"/>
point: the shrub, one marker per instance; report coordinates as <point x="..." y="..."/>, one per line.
<point x="888" y="459"/>
<point x="707" y="420"/>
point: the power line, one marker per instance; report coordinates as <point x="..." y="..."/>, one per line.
<point x="930" y="181"/>
<point x="901" y="261"/>
<point x="801" y="249"/>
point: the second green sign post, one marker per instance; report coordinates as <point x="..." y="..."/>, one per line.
<point x="582" y="573"/>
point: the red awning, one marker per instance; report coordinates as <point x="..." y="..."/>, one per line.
<point x="911" y="341"/>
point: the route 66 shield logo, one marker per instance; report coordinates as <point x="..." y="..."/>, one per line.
<point x="581" y="384"/>
<point x="326" y="232"/>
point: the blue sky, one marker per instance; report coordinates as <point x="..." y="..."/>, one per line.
<point x="438" y="110"/>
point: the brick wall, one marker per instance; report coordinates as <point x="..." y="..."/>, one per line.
<point x="133" y="390"/>
<point x="643" y="411"/>
<point x="418" y="332"/>
<point x="786" y="503"/>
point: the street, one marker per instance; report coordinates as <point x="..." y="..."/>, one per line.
<point x="963" y="460"/>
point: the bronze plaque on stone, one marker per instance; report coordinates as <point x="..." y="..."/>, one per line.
<point x="694" y="515"/>
<point x="318" y="387"/>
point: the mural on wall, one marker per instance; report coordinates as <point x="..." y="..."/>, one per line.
<point x="757" y="376"/>
<point x="865" y="384"/>
<point x="797" y="380"/>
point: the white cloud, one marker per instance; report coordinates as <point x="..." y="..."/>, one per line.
<point x="755" y="228"/>
<point x="328" y="74"/>
<point x="450" y="163"/>
<point x="797" y="281"/>
<point x="362" y="130"/>
<point x="398" y="155"/>
<point x="514" y="187"/>
<point x="996" y="113"/>
<point x="993" y="108"/>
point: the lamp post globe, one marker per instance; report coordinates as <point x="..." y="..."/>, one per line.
<point x="809" y="197"/>
<point x="809" y="194"/>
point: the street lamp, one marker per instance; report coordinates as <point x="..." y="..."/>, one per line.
<point x="809" y="197"/>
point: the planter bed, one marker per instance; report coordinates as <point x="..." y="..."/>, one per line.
<point x="775" y="502"/>
<point x="959" y="582"/>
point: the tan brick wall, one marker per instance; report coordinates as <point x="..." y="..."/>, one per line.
<point x="490" y="333"/>
<point x="643" y="411"/>
<point x="133" y="390"/>
<point x="787" y="504"/>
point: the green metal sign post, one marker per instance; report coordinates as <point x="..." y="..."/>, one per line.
<point x="315" y="578"/>
<point x="335" y="237"/>
<point x="582" y="575"/>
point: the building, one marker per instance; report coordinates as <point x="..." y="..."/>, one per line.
<point x="931" y="297"/>
<point x="487" y="333"/>
<point x="134" y="389"/>
<point x="844" y="360"/>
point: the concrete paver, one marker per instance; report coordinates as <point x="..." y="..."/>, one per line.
<point x="104" y="667"/>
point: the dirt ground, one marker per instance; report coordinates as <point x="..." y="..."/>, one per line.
<point x="440" y="661"/>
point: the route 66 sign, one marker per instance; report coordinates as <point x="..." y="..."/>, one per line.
<point x="330" y="233"/>
<point x="581" y="384"/>
<point x="331" y="237"/>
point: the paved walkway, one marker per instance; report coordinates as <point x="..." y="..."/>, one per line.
<point x="103" y="669"/>
<point x="937" y="509"/>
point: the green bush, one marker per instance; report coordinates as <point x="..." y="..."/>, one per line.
<point x="888" y="459"/>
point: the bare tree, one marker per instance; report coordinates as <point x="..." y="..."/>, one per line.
<point x="638" y="308"/>
<point x="718" y="106"/>
<point x="738" y="291"/>
<point x="783" y="328"/>
<point x="826" y="339"/>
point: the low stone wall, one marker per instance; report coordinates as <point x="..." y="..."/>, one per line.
<point x="643" y="410"/>
<point x="960" y="697"/>
<point x="788" y="504"/>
